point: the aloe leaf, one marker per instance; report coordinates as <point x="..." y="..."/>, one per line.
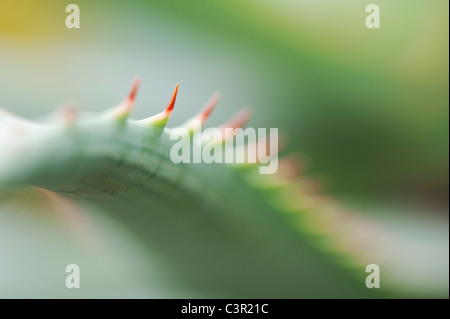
<point x="202" y="229"/>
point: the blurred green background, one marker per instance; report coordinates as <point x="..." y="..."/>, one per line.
<point x="366" y="109"/>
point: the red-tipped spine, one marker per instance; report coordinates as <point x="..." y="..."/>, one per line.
<point x="209" y="107"/>
<point x="238" y="120"/>
<point x="171" y="104"/>
<point x="132" y="96"/>
<point x="136" y="84"/>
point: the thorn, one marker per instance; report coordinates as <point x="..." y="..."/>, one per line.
<point x="69" y="114"/>
<point x="122" y="111"/>
<point x="203" y="115"/>
<point x="209" y="107"/>
<point x="237" y="121"/>
<point x="171" y="104"/>
<point x="136" y="84"/>
<point x="161" y="119"/>
<point x="129" y="102"/>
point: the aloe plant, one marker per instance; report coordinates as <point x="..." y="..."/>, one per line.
<point x="213" y="230"/>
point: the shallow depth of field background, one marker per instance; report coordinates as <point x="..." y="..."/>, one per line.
<point x="366" y="110"/>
